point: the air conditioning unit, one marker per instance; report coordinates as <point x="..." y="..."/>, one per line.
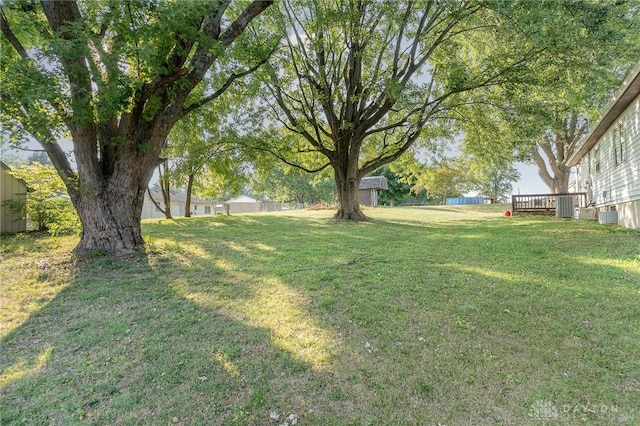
<point x="564" y="206"/>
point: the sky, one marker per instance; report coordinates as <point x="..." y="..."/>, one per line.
<point x="530" y="182"/>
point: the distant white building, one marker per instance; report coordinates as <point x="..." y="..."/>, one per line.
<point x="242" y="204"/>
<point x="246" y="204"/>
<point x="178" y="204"/>
<point x="608" y="161"/>
<point x="242" y="199"/>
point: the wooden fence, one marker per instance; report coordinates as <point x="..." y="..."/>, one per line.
<point x="543" y="203"/>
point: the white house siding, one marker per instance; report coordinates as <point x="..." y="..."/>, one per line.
<point x="629" y="214"/>
<point x="150" y="211"/>
<point x="178" y="205"/>
<point x="616" y="186"/>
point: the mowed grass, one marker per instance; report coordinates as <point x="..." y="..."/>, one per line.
<point x="425" y="316"/>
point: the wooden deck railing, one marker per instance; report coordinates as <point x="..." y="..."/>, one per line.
<point x="543" y="203"/>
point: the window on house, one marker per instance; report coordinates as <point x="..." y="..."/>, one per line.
<point x="596" y="159"/>
<point x="207" y="210"/>
<point x="195" y="207"/>
<point x="619" y="144"/>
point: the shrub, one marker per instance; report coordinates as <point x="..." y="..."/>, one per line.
<point x="47" y="204"/>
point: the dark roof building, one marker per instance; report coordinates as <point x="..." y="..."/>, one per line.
<point x="368" y="189"/>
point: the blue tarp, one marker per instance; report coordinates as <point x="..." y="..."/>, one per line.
<point x="464" y="200"/>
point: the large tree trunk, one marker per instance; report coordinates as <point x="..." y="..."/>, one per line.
<point x="347" y="183"/>
<point x="111" y="219"/>
<point x="560" y="182"/>
<point x="558" y="149"/>
<point x="110" y="198"/>
<point x="116" y="154"/>
<point x="553" y="171"/>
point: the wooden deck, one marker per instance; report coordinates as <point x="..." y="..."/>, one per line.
<point x="543" y="203"/>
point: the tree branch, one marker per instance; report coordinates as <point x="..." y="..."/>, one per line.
<point x="277" y="92"/>
<point x="233" y="77"/>
<point x="543" y="172"/>
<point x="19" y="48"/>
<point x="380" y="161"/>
<point x="11" y="38"/>
<point x="290" y="163"/>
<point x="153" y="201"/>
<point x="204" y="57"/>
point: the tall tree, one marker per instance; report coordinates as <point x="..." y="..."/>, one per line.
<point x="493" y="179"/>
<point x="116" y="76"/>
<point x="546" y="120"/>
<point x="447" y="178"/>
<point x="365" y="79"/>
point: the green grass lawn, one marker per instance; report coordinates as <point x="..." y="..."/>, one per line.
<point x="423" y="316"/>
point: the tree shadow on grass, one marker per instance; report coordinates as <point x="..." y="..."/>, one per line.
<point x="492" y="322"/>
<point x="220" y="328"/>
<point x="121" y="346"/>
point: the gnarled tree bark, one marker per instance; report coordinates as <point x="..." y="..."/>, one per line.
<point x="116" y="145"/>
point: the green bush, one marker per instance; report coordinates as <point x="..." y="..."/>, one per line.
<point x="47" y="205"/>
